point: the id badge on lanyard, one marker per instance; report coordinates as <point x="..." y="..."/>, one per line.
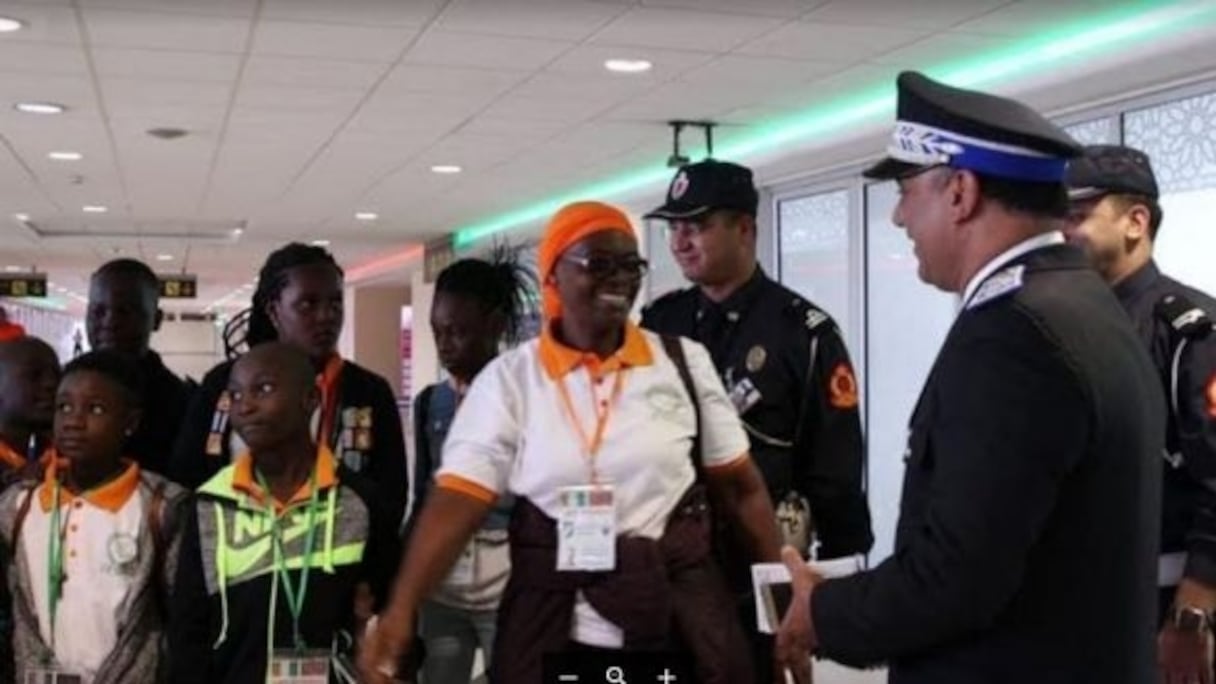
<point x="586" y="528"/>
<point x="293" y="666"/>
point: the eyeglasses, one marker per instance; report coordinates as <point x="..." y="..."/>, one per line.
<point x="601" y="266"/>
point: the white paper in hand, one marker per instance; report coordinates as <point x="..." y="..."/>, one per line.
<point x="777" y="573"/>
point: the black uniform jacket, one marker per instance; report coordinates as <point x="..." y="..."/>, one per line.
<point x="1189" y="500"/>
<point x="366" y="438"/>
<point x="166" y="398"/>
<point x="788" y="373"/>
<point x="1028" y="531"/>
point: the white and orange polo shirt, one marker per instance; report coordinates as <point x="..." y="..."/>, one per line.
<point x="100" y="551"/>
<point x="515" y="433"/>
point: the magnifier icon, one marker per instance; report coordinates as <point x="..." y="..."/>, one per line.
<point x="614" y="675"/>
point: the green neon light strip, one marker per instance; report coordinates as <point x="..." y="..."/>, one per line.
<point x="1137" y="20"/>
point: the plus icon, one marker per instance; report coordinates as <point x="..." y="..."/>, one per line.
<point x="667" y="677"/>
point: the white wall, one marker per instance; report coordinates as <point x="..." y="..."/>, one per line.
<point x="189" y="348"/>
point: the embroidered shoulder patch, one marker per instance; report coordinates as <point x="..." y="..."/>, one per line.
<point x="997" y="285"/>
<point x="842" y="387"/>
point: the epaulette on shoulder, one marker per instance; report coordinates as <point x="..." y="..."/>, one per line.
<point x="808" y="314"/>
<point x="1003" y="282"/>
<point x="1184" y="316"/>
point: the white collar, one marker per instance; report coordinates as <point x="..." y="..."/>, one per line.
<point x="1026" y="246"/>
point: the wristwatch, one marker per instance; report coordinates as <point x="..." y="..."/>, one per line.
<point x="1188" y="619"/>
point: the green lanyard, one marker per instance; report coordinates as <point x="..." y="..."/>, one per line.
<point x="54" y="565"/>
<point x="295" y="602"/>
<point x="54" y="552"/>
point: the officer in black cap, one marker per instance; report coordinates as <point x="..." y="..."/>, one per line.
<point x="782" y="359"/>
<point x="1115" y="217"/>
<point x="1027" y="539"/>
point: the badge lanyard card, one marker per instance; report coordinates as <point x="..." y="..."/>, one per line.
<point x="299" y="664"/>
<point x="586" y="521"/>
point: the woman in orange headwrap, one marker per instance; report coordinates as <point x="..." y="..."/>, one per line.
<point x="607" y="436"/>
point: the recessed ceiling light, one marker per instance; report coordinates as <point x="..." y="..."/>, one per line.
<point x="8" y="24"/>
<point x="21" y="217"/>
<point x="446" y="168"/>
<point x="94" y="209"/>
<point x="12" y="269"/>
<point x="65" y="156"/>
<point x="628" y="66"/>
<point x="164" y="257"/>
<point x="238" y="231"/>
<point x="366" y="215"/>
<point x="320" y="243"/>
<point x="39" y="107"/>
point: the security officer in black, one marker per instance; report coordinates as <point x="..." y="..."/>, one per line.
<point x="1115" y="216"/>
<point x="1027" y="541"/>
<point x="782" y="360"/>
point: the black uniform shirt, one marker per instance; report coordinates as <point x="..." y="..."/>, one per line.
<point x="1189" y="501"/>
<point x="165" y="400"/>
<point x="788" y="373"/>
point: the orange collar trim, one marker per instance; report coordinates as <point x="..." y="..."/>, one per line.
<point x="558" y="359"/>
<point x="111" y="496"/>
<point x="244" y="481"/>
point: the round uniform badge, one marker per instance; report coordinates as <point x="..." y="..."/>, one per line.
<point x="679" y="185"/>
<point x="122" y="549"/>
<point x="756" y="356"/>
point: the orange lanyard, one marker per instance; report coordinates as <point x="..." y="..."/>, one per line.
<point x="591" y="444"/>
<point x="329" y="399"/>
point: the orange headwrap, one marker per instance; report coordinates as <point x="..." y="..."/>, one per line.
<point x="570" y="224"/>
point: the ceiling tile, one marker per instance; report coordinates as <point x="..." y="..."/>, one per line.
<point x="419" y="78"/>
<point x="589" y="60"/>
<point x="263" y="70"/>
<point x="562" y="110"/>
<point x="128" y="94"/>
<point x="36" y="58"/>
<point x="44" y="23"/>
<point x="830" y="42"/>
<point x="735" y="71"/>
<point x="365" y="12"/>
<point x="937" y="14"/>
<point x="572" y="20"/>
<point x="166" y="31"/>
<point x="787" y="9"/>
<point x="334" y="41"/>
<point x="677" y="101"/>
<point x="74" y="92"/>
<point x="940" y="49"/>
<point x="683" y="29"/>
<point x="299" y="100"/>
<point x="166" y="64"/>
<point x="1024" y="17"/>
<point x="531" y="129"/>
<point x="451" y="48"/>
<point x="548" y="87"/>
<point x="405" y="111"/>
<point x="224" y="8"/>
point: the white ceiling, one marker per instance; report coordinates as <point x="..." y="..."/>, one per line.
<point x="302" y="112"/>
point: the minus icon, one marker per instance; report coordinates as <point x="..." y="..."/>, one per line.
<point x="567" y="678"/>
